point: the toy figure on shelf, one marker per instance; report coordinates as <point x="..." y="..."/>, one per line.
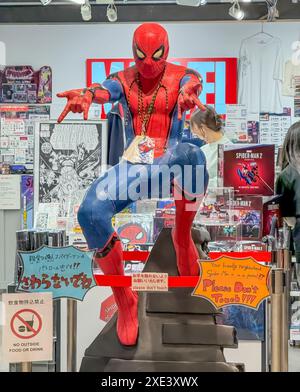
<point x="154" y="94"/>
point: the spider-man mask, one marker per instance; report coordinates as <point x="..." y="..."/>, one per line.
<point x="150" y="49"/>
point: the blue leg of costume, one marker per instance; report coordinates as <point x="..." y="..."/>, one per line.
<point x="103" y="201"/>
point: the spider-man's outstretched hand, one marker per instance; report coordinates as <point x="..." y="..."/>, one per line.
<point x="188" y="96"/>
<point x="80" y="100"/>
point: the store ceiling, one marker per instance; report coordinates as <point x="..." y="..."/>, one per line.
<point x="62" y="11"/>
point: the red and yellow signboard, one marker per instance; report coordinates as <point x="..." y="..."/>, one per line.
<point x="233" y="281"/>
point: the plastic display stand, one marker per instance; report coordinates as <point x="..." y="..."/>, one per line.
<point x="177" y="332"/>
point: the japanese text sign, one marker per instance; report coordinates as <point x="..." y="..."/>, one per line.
<point x="28" y="331"/>
<point x="66" y="272"/>
<point x="232" y="281"/>
<point x="150" y="281"/>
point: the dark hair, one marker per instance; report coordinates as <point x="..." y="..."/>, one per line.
<point x="209" y="118"/>
<point x="291" y="148"/>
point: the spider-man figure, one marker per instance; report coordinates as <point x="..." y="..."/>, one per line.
<point x="154" y="95"/>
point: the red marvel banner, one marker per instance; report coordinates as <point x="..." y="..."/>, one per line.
<point x="219" y="76"/>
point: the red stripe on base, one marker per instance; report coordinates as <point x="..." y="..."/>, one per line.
<point x="125" y="281"/>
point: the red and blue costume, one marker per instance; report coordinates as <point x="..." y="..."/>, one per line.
<point x="177" y="89"/>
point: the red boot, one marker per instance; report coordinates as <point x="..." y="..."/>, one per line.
<point x="126" y="299"/>
<point x="186" y="251"/>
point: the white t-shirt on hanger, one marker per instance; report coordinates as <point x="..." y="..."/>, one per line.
<point x="261" y="74"/>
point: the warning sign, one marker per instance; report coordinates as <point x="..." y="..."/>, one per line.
<point x="233" y="281"/>
<point x="28" y="327"/>
<point x="149" y="281"/>
<point x="23" y="324"/>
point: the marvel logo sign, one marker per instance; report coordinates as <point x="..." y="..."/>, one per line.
<point x="219" y="77"/>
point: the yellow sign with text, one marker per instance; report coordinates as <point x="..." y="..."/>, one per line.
<point x="232" y="281"/>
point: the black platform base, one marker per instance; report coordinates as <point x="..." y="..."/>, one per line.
<point x="177" y="332"/>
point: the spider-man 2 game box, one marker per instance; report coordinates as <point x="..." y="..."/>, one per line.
<point x="249" y="169"/>
<point x="246" y="217"/>
<point x="247" y="210"/>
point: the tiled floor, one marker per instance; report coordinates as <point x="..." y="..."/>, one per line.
<point x="294" y="359"/>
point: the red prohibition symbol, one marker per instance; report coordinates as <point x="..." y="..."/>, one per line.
<point x="26" y="325"/>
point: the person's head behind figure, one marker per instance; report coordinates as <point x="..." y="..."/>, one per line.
<point x="207" y="124"/>
<point x="291" y="148"/>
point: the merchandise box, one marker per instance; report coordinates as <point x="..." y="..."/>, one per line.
<point x="248" y="213"/>
<point x="215" y="207"/>
<point x="250" y="246"/>
<point x="249" y="169"/>
<point x="245" y="217"/>
<point x="272" y="218"/>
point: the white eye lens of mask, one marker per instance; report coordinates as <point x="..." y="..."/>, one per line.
<point x="139" y="236"/>
<point x="140" y="54"/>
<point x="158" y="53"/>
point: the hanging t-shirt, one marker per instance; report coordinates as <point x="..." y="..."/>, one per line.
<point x="261" y="74"/>
<point x="291" y="71"/>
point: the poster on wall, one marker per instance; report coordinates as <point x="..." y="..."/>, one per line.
<point x="26" y="202"/>
<point x="297" y="97"/>
<point x="236" y="123"/>
<point x="10" y="192"/>
<point x="17" y="124"/>
<point x="21" y="84"/>
<point x="273" y="127"/>
<point x="219" y="76"/>
<point x="69" y="158"/>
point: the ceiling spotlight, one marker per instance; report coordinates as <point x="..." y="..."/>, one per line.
<point x="273" y="12"/>
<point x="45" y="2"/>
<point x="189" y="3"/>
<point x="78" y="1"/>
<point x="235" y="11"/>
<point x="86" y="11"/>
<point x="111" y="13"/>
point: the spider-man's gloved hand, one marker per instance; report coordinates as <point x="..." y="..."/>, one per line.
<point x="80" y="100"/>
<point x="188" y="96"/>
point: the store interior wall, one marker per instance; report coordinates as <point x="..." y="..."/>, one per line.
<point x="66" y="47"/>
